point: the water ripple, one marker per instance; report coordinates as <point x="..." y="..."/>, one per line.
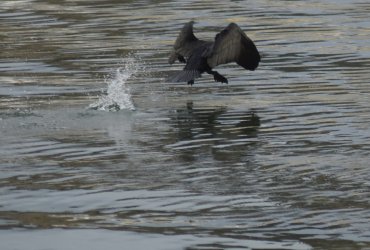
<point x="276" y="159"/>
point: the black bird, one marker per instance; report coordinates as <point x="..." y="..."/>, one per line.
<point x="230" y="45"/>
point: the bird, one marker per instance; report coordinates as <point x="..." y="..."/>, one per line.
<point x="229" y="45"/>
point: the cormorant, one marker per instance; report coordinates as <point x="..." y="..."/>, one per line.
<point x="230" y="45"/>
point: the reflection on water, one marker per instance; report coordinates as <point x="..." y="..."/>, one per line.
<point x="276" y="159"/>
<point x="199" y="126"/>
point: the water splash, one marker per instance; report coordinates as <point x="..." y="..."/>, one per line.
<point x="118" y="95"/>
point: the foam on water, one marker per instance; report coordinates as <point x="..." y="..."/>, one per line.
<point x="118" y="95"/>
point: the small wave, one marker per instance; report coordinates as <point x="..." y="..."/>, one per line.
<point x="118" y="95"/>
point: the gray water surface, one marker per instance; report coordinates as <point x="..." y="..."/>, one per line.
<point x="98" y="152"/>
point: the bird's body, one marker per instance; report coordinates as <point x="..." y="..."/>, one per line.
<point x="230" y="45"/>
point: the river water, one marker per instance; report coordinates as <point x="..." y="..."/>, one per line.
<point x="98" y="151"/>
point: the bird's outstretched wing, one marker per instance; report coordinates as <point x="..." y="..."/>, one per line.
<point x="233" y="45"/>
<point x="185" y="43"/>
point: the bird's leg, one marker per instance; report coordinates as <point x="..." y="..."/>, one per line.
<point x="191" y="82"/>
<point x="217" y="76"/>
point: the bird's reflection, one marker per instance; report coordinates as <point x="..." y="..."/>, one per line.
<point x="218" y="125"/>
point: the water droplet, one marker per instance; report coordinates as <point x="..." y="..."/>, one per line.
<point x="118" y="96"/>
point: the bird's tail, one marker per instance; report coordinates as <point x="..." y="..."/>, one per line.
<point x="184" y="76"/>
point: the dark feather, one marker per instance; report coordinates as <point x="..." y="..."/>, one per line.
<point x="233" y="45"/>
<point x="195" y="65"/>
<point x="185" y="76"/>
<point x="185" y="43"/>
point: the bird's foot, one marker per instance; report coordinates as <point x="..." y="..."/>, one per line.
<point x="220" y="78"/>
